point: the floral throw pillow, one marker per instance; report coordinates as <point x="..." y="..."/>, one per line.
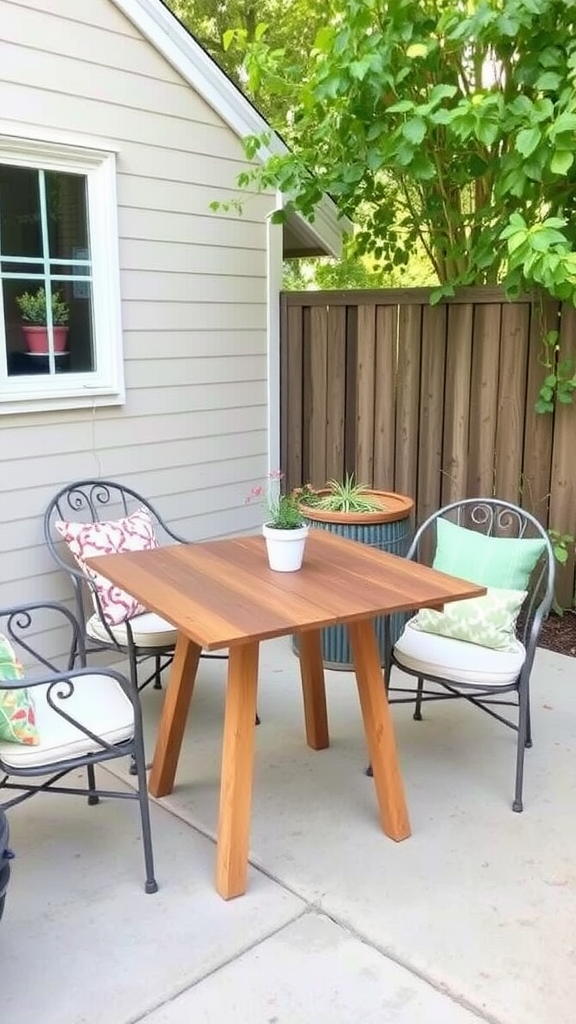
<point x="17" y="720"/>
<point x="88" y="540"/>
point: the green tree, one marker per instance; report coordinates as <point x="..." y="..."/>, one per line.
<point x="450" y="123"/>
<point x="228" y="27"/>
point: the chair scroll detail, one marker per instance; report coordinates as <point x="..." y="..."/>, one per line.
<point x="480" y="652"/>
<point x="83" y="717"/>
<point x="110" y="504"/>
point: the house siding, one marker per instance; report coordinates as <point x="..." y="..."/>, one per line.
<point x="192" y="434"/>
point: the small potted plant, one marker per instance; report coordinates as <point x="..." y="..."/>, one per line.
<point x="285" y="529"/>
<point x="34" y="309"/>
<point x="348" y="502"/>
<point x="381" y="519"/>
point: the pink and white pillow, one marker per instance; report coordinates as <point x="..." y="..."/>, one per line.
<point x="88" y="540"/>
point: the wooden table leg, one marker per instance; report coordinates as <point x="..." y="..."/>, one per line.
<point x="237" y="770"/>
<point x="313" y="689"/>
<point x="379" y="731"/>
<point x="174" y="715"/>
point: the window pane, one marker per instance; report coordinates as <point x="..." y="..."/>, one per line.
<point x="61" y="235"/>
<point x="20" y="225"/>
<point x="67" y="220"/>
<point x="28" y="338"/>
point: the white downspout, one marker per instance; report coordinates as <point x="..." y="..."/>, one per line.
<point x="275" y="274"/>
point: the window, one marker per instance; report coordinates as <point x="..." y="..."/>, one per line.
<point x="60" y="328"/>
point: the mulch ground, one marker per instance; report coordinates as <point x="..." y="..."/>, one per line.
<point x="559" y="633"/>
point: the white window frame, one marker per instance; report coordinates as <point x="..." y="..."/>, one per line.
<point x="105" y="384"/>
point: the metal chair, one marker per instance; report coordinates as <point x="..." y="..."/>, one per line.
<point x="141" y="637"/>
<point x="492" y="680"/>
<point x="84" y="717"/>
<point x="5" y="858"/>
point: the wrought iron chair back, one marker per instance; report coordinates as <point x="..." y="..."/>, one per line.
<point x="495" y="518"/>
<point x="94" y="501"/>
<point x="85" y="716"/>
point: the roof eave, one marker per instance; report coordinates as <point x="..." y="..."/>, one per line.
<point x="166" y="33"/>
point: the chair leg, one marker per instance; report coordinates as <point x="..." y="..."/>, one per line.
<point x="92" y="797"/>
<point x="528" y="742"/>
<point x="157" y="673"/>
<point x="417" y="716"/>
<point x="523" y="727"/>
<point x="151" y="885"/>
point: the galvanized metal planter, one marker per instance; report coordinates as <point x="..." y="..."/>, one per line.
<point x="389" y="530"/>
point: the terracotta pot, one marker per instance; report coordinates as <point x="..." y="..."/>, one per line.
<point x="394" y="507"/>
<point x="37" y="339"/>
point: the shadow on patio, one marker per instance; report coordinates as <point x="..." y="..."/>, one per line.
<point x="471" y="917"/>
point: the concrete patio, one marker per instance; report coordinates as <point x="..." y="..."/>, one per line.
<point x="472" y="918"/>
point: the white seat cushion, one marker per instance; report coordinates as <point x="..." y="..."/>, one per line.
<point x="456" y="660"/>
<point x="148" y="630"/>
<point x="98" y="701"/>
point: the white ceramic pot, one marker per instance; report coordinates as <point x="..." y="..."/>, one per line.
<point x="285" y="548"/>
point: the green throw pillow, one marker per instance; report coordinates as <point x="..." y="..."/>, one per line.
<point x="17" y="720"/>
<point x="490" y="561"/>
<point x="488" y="620"/>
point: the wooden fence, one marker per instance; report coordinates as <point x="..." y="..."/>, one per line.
<point x="432" y="401"/>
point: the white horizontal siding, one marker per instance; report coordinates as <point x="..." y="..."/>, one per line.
<point x="177" y="196"/>
<point x="192" y="435"/>
<point x="186" y="258"/>
<point x="236" y="232"/>
<point x="194" y="315"/>
<point x="200" y="343"/>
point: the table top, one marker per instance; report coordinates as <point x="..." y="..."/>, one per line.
<point x="222" y="592"/>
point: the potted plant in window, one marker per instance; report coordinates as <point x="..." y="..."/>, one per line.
<point x="285" y="529"/>
<point x="381" y="519"/>
<point x="34" y="309"/>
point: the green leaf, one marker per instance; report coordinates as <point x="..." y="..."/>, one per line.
<point x="414" y="130"/>
<point x="401" y="107"/>
<point x="544" y="238"/>
<point x="515" y="241"/>
<point x="358" y="68"/>
<point x="442" y="92"/>
<point x="375" y="130"/>
<point x="416" y="50"/>
<point x="324" y="39"/>
<point x="228" y="38"/>
<point x="561" y="161"/>
<point x="565" y="122"/>
<point x="527" y="140"/>
<point x="487" y="132"/>
<point x="548" y="82"/>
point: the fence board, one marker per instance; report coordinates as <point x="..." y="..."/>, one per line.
<point x="336" y="393"/>
<point x="511" y="401"/>
<point x="385" y="397"/>
<point x="434" y="323"/>
<point x="291" y="375"/>
<point x="457" y="402"/>
<point x="538" y="429"/>
<point x="316" y="395"/>
<point x="563" y="485"/>
<point x="483" y="399"/>
<point x="366" y="373"/>
<point x="351" y="398"/>
<point x="408" y="398"/>
<point x="437" y="402"/>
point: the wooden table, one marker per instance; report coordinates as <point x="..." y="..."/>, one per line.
<point x="221" y="594"/>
